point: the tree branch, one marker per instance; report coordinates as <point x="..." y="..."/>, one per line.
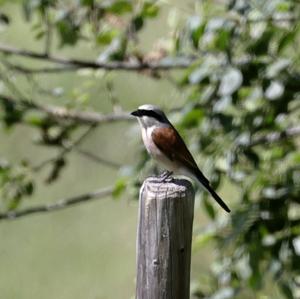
<point x="175" y="63"/>
<point x="41" y="70"/>
<point x="61" y="113"/>
<point x="273" y="19"/>
<point x="275" y="136"/>
<point x="68" y="147"/>
<point x="59" y="205"/>
<point x="97" y="159"/>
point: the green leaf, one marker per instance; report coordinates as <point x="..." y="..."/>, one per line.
<point x="40" y="34"/>
<point x="287" y="39"/>
<point x="11" y="114"/>
<point x="119" y="7"/>
<point x="138" y="23"/>
<point x="231" y="81"/>
<point x="14" y="203"/>
<point x="27" y="9"/>
<point x="286" y="290"/>
<point x="252" y="156"/>
<point x="28" y="188"/>
<point x="192" y="118"/>
<point x="196" y="30"/>
<point x="274" y="91"/>
<point x="87" y="2"/>
<point x="4" y="19"/>
<point x="36" y="119"/>
<point x="222" y="41"/>
<point x="68" y="31"/>
<point x="261" y="45"/>
<point x="283" y="6"/>
<point x="200" y="74"/>
<point x="255" y="280"/>
<point x="202" y="240"/>
<point x="119" y="188"/>
<point x="274" y="69"/>
<point x="196" y="35"/>
<point x="209" y="208"/>
<point x="296" y="158"/>
<point x="106" y="37"/>
<point x="150" y="10"/>
<point x="115" y="51"/>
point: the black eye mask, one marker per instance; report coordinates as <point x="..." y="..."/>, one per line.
<point x="151" y="113"/>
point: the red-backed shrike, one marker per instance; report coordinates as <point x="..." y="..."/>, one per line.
<point x="165" y="145"/>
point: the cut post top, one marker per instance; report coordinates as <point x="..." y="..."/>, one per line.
<point x="171" y="188"/>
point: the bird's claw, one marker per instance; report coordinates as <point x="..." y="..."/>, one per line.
<point x="165" y="176"/>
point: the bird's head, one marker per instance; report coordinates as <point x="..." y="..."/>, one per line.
<point x="150" y="115"/>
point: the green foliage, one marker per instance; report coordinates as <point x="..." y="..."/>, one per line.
<point x="241" y="97"/>
<point x="119" y="188"/>
<point x="15" y="184"/>
<point x="251" y="76"/>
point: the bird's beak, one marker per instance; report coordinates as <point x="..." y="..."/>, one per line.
<point x="135" y="113"/>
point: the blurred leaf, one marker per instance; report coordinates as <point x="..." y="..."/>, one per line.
<point x="230" y="82"/>
<point x="119" y="188"/>
<point x="283" y="6"/>
<point x="274" y="69"/>
<point x="274" y="91"/>
<point x="14" y="203"/>
<point x="11" y="114"/>
<point x="196" y="29"/>
<point x="40" y="6"/>
<point x="150" y="10"/>
<point x="115" y="51"/>
<point x="261" y="45"/>
<point x="192" y="118"/>
<point x="138" y="23"/>
<point x="286" y="290"/>
<point x="255" y="279"/>
<point x="199" y="74"/>
<point x="223" y="104"/>
<point x="252" y="156"/>
<point x="87" y="2"/>
<point x="202" y="240"/>
<point x="106" y="37"/>
<point x="209" y="208"/>
<point x="223" y="293"/>
<point x="288" y="38"/>
<point x="222" y="41"/>
<point x="68" y="31"/>
<point x="36" y="119"/>
<point x="4" y="19"/>
<point x="57" y="167"/>
<point x="40" y="34"/>
<point x="29" y="188"/>
<point x="27" y="9"/>
<point x="119" y="7"/>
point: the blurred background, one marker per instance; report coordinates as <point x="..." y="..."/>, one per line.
<point x="226" y="73"/>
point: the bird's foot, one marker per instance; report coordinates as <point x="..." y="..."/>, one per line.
<point x="165" y="176"/>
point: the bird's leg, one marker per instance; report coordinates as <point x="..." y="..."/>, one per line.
<point x="165" y="175"/>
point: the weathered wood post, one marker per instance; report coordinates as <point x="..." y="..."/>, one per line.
<point x="164" y="238"/>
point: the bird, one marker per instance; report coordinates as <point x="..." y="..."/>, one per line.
<point x="166" y="146"/>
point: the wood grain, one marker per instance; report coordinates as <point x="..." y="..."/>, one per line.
<point x="164" y="239"/>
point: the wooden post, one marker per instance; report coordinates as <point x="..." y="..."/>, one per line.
<point x="166" y="212"/>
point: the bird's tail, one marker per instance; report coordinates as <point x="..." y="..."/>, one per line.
<point x="204" y="182"/>
<point x="217" y="198"/>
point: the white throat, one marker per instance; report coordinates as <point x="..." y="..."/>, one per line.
<point x="154" y="151"/>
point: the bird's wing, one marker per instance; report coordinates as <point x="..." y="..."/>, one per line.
<point x="171" y="144"/>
